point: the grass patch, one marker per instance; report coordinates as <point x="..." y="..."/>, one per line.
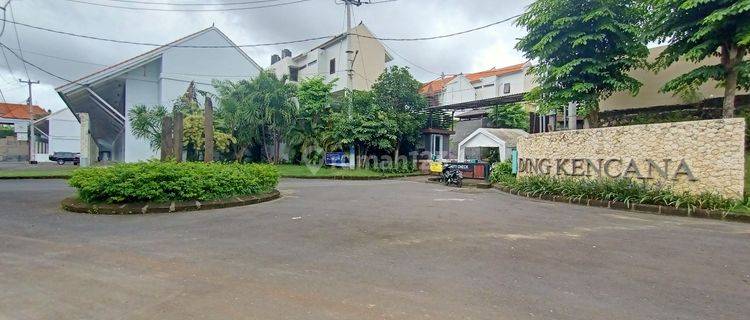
<point x="621" y="190"/>
<point x="38" y="172"/>
<point x="290" y="170"/>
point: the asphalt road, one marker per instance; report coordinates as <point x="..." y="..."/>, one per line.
<point x="367" y="250"/>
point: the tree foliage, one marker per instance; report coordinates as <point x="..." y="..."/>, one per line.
<point x="584" y="50"/>
<point x="699" y="29"/>
<point x="239" y="115"/>
<point x="311" y="132"/>
<point x="146" y="123"/>
<point x="396" y="93"/>
<point x="275" y="101"/>
<point x="512" y="116"/>
<point x="195" y="137"/>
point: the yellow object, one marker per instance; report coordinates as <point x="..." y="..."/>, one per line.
<point x="436" y="166"/>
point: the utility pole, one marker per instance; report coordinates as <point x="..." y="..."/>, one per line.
<point x="350" y="67"/>
<point x="32" y="142"/>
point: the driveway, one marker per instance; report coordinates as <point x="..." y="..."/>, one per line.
<point x="391" y="249"/>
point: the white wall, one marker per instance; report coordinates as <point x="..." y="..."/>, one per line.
<point x="64" y="132"/>
<point x="369" y="62"/>
<point x="458" y="90"/>
<point x="141" y="87"/>
<point x="165" y="80"/>
<point x="181" y="65"/>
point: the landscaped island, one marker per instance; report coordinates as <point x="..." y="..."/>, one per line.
<point x="173" y="185"/>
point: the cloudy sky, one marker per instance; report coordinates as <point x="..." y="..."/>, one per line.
<point x="74" y="57"/>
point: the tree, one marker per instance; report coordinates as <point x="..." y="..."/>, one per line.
<point x="396" y="93"/>
<point x="239" y="114"/>
<point x="509" y="116"/>
<point x="194" y="133"/>
<point x="275" y="100"/>
<point x="359" y="121"/>
<point x="146" y="123"/>
<point x="698" y="29"/>
<point x="311" y="132"/>
<point x="584" y="50"/>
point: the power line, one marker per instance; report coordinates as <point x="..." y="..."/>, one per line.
<point x="195" y="4"/>
<point x="63" y="58"/>
<point x="259" y="44"/>
<point x="444" y="35"/>
<point x="151" y="44"/>
<point x="408" y="61"/>
<point x="186" y="10"/>
<point x="18" y="38"/>
<point x="37" y="67"/>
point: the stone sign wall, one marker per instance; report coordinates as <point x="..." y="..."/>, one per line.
<point x="695" y="156"/>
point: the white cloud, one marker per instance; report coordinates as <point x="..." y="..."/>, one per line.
<point x="403" y="18"/>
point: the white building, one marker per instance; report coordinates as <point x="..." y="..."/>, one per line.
<point x="157" y="77"/>
<point x="483" y="85"/>
<point x="468" y="97"/>
<point x="329" y="60"/>
<point x="63" y="133"/>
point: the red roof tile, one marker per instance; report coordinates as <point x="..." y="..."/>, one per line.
<point x="495" y="72"/>
<point x="435" y="85"/>
<point x="20" y="111"/>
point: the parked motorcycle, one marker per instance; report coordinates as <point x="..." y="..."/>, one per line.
<point x="451" y="175"/>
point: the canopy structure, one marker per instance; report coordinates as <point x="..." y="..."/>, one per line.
<point x="502" y="139"/>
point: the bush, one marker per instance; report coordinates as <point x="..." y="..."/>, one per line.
<point x="171" y="181"/>
<point x="622" y="190"/>
<point x="401" y="167"/>
<point x="500" y="170"/>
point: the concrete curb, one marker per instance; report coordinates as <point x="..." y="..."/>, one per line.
<point x="352" y="177"/>
<point x="35" y="177"/>
<point x="73" y="204"/>
<point x="282" y="176"/>
<point x="637" y="207"/>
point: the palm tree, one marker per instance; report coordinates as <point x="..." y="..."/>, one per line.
<point x="275" y="100"/>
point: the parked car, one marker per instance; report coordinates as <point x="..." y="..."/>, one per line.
<point x="62" y="157"/>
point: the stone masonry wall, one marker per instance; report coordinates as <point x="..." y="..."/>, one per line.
<point x="695" y="156"/>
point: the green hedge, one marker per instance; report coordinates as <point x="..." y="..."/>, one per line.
<point x="623" y="190"/>
<point x="168" y="181"/>
<point x="402" y="167"/>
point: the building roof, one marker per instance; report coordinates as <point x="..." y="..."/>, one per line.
<point x="144" y="57"/>
<point x="494" y="72"/>
<point x="20" y="111"/>
<point x="436" y="85"/>
<point x="340" y="37"/>
<point x="510" y="136"/>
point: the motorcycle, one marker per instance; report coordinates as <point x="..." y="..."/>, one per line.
<point x="451" y="175"/>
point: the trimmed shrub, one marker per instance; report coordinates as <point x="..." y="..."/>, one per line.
<point x="622" y="190"/>
<point x="500" y="170"/>
<point x="171" y="181"/>
<point x="402" y="167"/>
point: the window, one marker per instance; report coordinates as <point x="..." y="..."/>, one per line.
<point x="293" y="74"/>
<point x="488" y="85"/>
<point x="332" y="66"/>
<point x="506" y="88"/>
<point x="312" y="63"/>
<point x="479" y="87"/>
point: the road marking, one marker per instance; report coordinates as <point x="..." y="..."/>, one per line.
<point x="454" y="199"/>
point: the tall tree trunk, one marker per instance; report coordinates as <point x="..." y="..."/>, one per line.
<point x="395" y="154"/>
<point x="177" y="134"/>
<point x="208" y="131"/>
<point x="594" y="118"/>
<point x="265" y="145"/>
<point x="239" y="153"/>
<point x="729" y="59"/>
<point x="276" y="148"/>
